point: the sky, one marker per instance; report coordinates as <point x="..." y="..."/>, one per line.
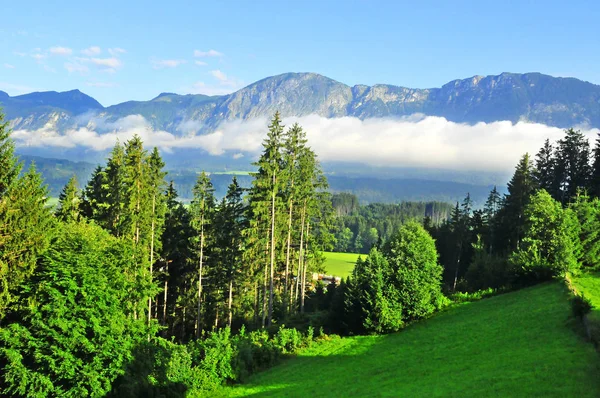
<point x="117" y="51"/>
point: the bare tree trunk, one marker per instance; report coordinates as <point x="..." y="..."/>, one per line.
<point x="272" y="262"/>
<point x="217" y="312"/>
<point x="457" y="266"/>
<point x="200" y="277"/>
<point x="165" y="290"/>
<point x="151" y="255"/>
<point x="304" y="272"/>
<point x="289" y="240"/>
<point x="229" y="304"/>
<point x="301" y="254"/>
<point x="264" y="302"/>
<point x="256" y="303"/>
<point x="183" y="324"/>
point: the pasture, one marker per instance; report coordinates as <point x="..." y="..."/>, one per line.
<point x="524" y="343"/>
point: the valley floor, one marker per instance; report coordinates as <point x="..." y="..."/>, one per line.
<point x="523" y="344"/>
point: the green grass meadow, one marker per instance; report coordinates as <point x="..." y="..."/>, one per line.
<point x="340" y="264"/>
<point x="521" y="344"/>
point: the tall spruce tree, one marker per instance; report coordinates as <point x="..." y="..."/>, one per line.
<point x="156" y="185"/>
<point x="573" y="171"/>
<point x="177" y="252"/>
<point x="595" y="179"/>
<point x="512" y="215"/>
<point x="202" y="211"/>
<point x="265" y="199"/>
<point x="26" y="228"/>
<point x="69" y="202"/>
<point x="9" y="166"/>
<point x="545" y="169"/>
<point x="230" y="222"/>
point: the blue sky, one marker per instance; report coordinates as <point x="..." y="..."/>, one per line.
<point x="123" y="50"/>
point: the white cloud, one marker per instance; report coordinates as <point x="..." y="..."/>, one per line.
<point x="91" y="51"/>
<point x="166" y="63"/>
<point x="76" y="67"/>
<point x="107" y="64"/>
<point x="20" y="54"/>
<point x="101" y="84"/>
<point x="209" y="53"/>
<point x="200" y="63"/>
<point x="116" y="51"/>
<point x="38" y="56"/>
<point x="238" y="155"/>
<point x="60" y="51"/>
<point x="220" y="76"/>
<point x="415" y="141"/>
<point x="9" y="66"/>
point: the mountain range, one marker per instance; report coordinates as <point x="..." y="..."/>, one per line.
<point x="533" y="97"/>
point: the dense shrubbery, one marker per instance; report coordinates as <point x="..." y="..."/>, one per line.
<point x="163" y="368"/>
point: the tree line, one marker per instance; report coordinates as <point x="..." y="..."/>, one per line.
<point x="548" y="220"/>
<point x="357" y="228"/>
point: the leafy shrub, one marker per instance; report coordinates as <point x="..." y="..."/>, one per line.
<point x="581" y="305"/>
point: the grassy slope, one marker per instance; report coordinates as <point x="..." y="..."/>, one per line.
<point x="517" y="344"/>
<point x="339" y="264"/>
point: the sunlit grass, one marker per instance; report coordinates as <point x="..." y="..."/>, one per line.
<point x="522" y="344"/>
<point x="340" y="264"/>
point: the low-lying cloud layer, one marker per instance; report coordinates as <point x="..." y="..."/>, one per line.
<point x="415" y="141"/>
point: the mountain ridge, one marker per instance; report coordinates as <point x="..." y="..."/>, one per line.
<point x="535" y="97"/>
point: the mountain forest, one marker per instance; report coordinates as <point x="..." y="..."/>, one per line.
<point x="124" y="290"/>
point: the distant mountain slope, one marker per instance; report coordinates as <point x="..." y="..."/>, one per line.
<point x="560" y="102"/>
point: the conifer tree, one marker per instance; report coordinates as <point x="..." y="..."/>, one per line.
<point x="177" y="254"/>
<point x="26" y="227"/>
<point x="265" y="199"/>
<point x="69" y="202"/>
<point x="156" y="185"/>
<point x="512" y="219"/>
<point x="595" y="179"/>
<point x="545" y="168"/>
<point x="115" y="190"/>
<point x="9" y="166"/>
<point x="93" y="197"/>
<point x="202" y="212"/>
<point x="490" y="212"/>
<point x="573" y="171"/>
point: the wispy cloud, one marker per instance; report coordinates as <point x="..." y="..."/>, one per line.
<point x="209" y="53"/>
<point x="91" y="51"/>
<point x="9" y="66"/>
<point x="38" y="56"/>
<point x="109" y="65"/>
<point x="115" y="51"/>
<point x="63" y="51"/>
<point x="76" y="67"/>
<point x="200" y="63"/>
<point x="101" y="84"/>
<point x="166" y="63"/>
<point x="227" y="84"/>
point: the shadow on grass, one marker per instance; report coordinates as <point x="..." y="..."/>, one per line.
<point x="517" y="344"/>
